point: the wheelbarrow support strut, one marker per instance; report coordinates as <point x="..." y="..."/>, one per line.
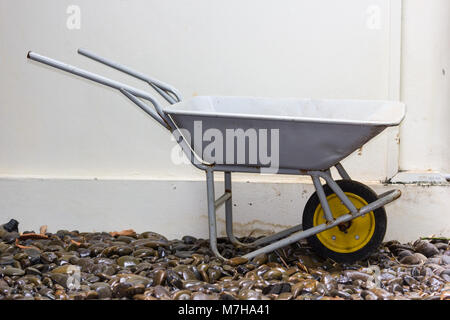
<point x="295" y="233"/>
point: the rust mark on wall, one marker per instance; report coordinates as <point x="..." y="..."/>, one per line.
<point x="277" y="192"/>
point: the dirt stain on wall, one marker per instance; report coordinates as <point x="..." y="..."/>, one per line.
<point x="253" y="228"/>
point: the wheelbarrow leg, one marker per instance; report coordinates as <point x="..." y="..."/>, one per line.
<point x="229" y="212"/>
<point x="212" y="213"/>
<point x="342" y="171"/>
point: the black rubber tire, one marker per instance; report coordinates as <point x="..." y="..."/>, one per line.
<point x="380" y="223"/>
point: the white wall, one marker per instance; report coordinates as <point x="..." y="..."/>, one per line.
<point x="425" y="133"/>
<point x="56" y="125"/>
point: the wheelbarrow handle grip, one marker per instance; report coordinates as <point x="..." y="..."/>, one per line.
<point x="132" y="93"/>
<point x="167" y="91"/>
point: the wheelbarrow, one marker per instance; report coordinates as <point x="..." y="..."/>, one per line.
<point x="343" y="220"/>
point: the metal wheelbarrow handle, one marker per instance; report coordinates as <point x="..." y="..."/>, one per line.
<point x="167" y="91"/>
<point x="130" y="92"/>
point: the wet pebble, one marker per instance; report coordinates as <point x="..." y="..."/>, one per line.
<point x="148" y="266"/>
<point x="410" y="259"/>
<point x="9" y="271"/>
<point x="128" y="261"/>
<point x="426" y="248"/>
<point x="237" y="261"/>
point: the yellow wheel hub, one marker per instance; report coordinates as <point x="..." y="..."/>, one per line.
<point x="348" y="237"/>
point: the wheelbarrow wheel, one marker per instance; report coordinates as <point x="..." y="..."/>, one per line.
<point x="351" y="241"/>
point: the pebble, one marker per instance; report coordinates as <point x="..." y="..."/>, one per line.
<point x="103" y="290"/>
<point x="189" y="240"/>
<point x="412" y="259"/>
<point x="148" y="266"/>
<point x="128" y="261"/>
<point x="67" y="268"/>
<point x="421" y="257"/>
<point x="237" y="261"/>
<point x="426" y="248"/>
<point x="13" y="272"/>
<point x="6" y="260"/>
<point x="445" y="260"/>
<point x="34" y="271"/>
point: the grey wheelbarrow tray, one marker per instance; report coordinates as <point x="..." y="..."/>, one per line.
<point x="314" y="136"/>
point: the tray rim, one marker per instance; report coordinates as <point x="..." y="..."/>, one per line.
<point x="170" y="110"/>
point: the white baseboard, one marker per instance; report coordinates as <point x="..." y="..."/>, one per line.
<point x="429" y="178"/>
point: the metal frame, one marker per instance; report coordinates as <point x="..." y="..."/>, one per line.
<point x="295" y="233"/>
<point x="171" y="95"/>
